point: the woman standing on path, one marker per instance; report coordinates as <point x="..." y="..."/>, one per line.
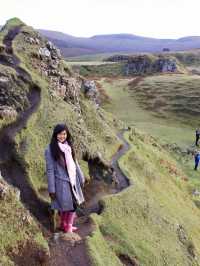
<point x="65" y="177"/>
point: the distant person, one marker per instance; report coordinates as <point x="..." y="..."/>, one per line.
<point x="196" y="159"/>
<point x="65" y="177"/>
<point x="197" y="136"/>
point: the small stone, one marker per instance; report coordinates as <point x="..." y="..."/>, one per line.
<point x="71" y="238"/>
<point x="56" y="236"/>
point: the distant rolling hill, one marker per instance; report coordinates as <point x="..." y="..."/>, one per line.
<point x="127" y="43"/>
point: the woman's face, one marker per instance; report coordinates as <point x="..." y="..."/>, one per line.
<point x="62" y="136"/>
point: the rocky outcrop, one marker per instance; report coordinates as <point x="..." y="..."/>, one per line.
<point x="146" y="64"/>
<point x="55" y="52"/>
<point x="90" y="90"/>
<point x="7" y="112"/>
<point x="47" y="59"/>
<point x="165" y="65"/>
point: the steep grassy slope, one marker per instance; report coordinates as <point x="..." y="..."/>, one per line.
<point x="90" y="130"/>
<point x="154" y="221"/>
<point x="93" y="131"/>
<point x="18" y="230"/>
<point x="174" y="129"/>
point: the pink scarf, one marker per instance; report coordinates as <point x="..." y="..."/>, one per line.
<point x="71" y="167"/>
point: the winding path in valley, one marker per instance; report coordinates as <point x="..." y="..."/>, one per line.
<point x="65" y="249"/>
<point x="74" y="252"/>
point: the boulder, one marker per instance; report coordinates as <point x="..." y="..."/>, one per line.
<point x="44" y="53"/>
<point x="145" y="64"/>
<point x="55" y="52"/>
<point x="165" y="65"/>
<point x="90" y="90"/>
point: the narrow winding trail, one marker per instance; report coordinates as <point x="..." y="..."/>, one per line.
<point x="72" y="251"/>
<point x="65" y="249"/>
<point x="121" y="177"/>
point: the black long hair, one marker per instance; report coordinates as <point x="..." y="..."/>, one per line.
<point x="55" y="150"/>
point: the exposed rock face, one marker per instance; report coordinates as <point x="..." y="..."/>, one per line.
<point x="62" y="84"/>
<point x="139" y="64"/>
<point x="55" y="52"/>
<point x="165" y="65"/>
<point x="48" y="61"/>
<point x="49" y="51"/>
<point x="90" y="90"/>
<point x="44" y="53"/>
<point x="145" y="65"/>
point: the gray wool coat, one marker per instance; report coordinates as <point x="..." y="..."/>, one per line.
<point x="59" y="183"/>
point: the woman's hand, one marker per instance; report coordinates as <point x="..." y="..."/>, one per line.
<point x="52" y="196"/>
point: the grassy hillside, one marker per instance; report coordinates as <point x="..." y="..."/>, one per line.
<point x="51" y="111"/>
<point x="138" y="224"/>
<point x="154" y="221"/>
<point x="191" y="57"/>
<point x="176" y="129"/>
<point x="20" y="235"/>
<point x="133" y="65"/>
<point x="124" y="103"/>
<point x="93" y="131"/>
<point x="19" y="231"/>
<point x="170" y="96"/>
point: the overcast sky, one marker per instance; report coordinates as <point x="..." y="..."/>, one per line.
<point x="151" y="18"/>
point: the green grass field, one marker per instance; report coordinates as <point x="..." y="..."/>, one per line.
<point x="93" y="57"/>
<point x="125" y="104"/>
<point x="170" y="96"/>
<point x="169" y="128"/>
<point x="86" y="63"/>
